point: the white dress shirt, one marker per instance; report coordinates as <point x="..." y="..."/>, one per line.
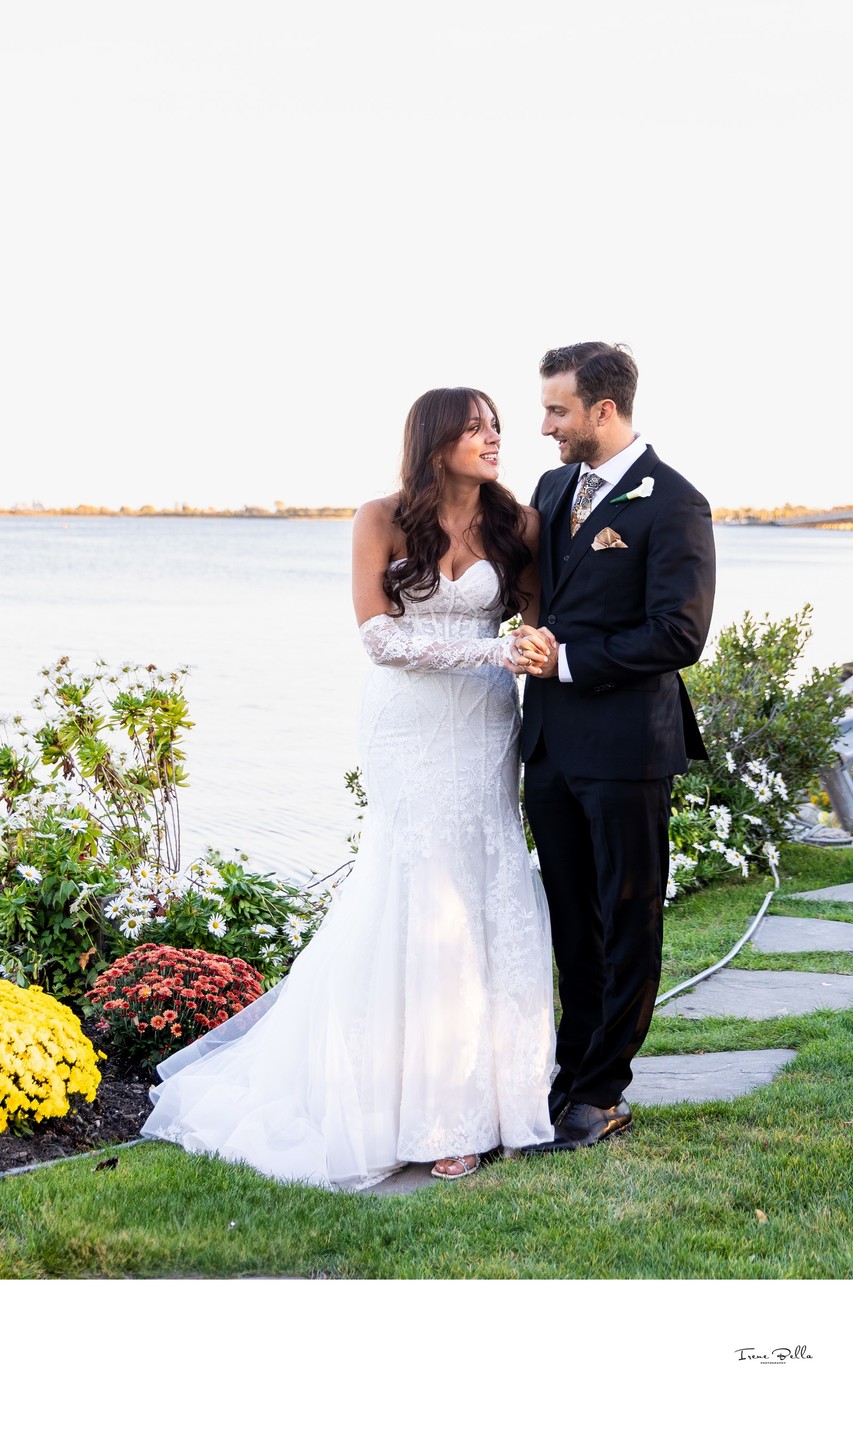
<point x="611" y="471"/>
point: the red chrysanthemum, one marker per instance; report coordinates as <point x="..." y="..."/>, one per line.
<point x="164" y="994"/>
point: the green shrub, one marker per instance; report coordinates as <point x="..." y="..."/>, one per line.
<point x="767" y="736"/>
<point x="90" y="857"/>
<point x="220" y="905"/>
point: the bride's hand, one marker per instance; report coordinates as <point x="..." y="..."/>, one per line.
<point x="532" y="649"/>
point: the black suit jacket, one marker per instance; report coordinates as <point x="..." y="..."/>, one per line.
<point x="630" y="619"/>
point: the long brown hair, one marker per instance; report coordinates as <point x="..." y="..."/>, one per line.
<point x="434" y="423"/>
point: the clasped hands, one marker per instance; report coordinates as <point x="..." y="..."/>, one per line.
<point x="534" y="652"/>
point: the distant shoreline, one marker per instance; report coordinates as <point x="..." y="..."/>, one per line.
<point x="89" y="511"/>
<point x="786" y="517"/>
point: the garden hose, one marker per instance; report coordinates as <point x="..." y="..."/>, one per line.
<point x="715" y="968"/>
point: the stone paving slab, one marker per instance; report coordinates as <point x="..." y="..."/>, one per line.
<point x="838" y="893"/>
<point x="704" y="1077"/>
<point x="803" y="935"/>
<point x="407" y="1180"/>
<point x="762" y="994"/>
<point x="823" y="837"/>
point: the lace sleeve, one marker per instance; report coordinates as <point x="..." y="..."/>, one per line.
<point x="387" y="643"/>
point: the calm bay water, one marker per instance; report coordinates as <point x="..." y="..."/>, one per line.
<point x="261" y="611"/>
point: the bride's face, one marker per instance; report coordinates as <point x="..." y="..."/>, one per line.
<point x="475" y="454"/>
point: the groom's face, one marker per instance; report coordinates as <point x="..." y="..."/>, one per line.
<point x="567" y="421"/>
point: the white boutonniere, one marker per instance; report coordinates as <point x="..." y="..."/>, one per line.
<point x="642" y="491"/>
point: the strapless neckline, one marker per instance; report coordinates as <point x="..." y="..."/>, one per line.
<point x="464" y="571"/>
<point x="441" y="575"/>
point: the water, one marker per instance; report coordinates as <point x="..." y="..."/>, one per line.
<point x="261" y="611"/>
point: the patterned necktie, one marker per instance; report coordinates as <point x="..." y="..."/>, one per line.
<point x="587" y="489"/>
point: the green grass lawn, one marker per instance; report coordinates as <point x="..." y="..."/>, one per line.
<point x="755" y="1188"/>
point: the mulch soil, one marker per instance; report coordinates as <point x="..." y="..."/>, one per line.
<point x="120" y="1108"/>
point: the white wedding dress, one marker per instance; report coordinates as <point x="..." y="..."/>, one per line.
<point x="418" y="1022"/>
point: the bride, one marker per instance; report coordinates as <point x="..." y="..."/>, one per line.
<point x="417" y="1025"/>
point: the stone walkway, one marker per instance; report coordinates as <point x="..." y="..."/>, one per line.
<point x="737" y="993"/>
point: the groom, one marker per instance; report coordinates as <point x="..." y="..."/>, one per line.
<point x="626" y="555"/>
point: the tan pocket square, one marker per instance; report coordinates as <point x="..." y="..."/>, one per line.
<point x="608" y="539"/>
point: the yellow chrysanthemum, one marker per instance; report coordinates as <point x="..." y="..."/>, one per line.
<point x="44" y="1055"/>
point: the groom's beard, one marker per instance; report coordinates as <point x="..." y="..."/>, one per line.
<point x="580" y="448"/>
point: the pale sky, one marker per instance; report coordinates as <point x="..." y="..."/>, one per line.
<point x="241" y="238"/>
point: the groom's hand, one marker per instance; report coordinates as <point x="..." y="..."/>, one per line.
<point x="534" y="652"/>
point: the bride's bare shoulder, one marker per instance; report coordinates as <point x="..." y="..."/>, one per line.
<point x="377" y="514"/>
<point x="374" y="525"/>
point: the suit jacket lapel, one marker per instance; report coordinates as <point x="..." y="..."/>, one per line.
<point x="582" y="542"/>
<point x="553" y="517"/>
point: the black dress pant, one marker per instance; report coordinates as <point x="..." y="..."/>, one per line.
<point x="603" y="848"/>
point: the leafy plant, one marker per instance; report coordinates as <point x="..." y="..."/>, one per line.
<point x="354" y="785"/>
<point x="112" y="739"/>
<point x="221" y="905"/>
<point x="766" y="737"/>
<point x="55" y="871"/>
<point x="90" y="841"/>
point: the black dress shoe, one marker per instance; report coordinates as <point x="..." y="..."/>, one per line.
<point x="582" y="1125"/>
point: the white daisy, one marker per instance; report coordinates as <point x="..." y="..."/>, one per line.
<point x="131" y="925"/>
<point x="722" y="819"/>
<point x="31" y="874"/>
<point x="114" y="908"/>
<point x="74" y="825"/>
<point x="217" y="926"/>
<point x="737" y="860"/>
<point x="171" y="886"/>
<point x="263" y="930"/>
<point x="143" y="905"/>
